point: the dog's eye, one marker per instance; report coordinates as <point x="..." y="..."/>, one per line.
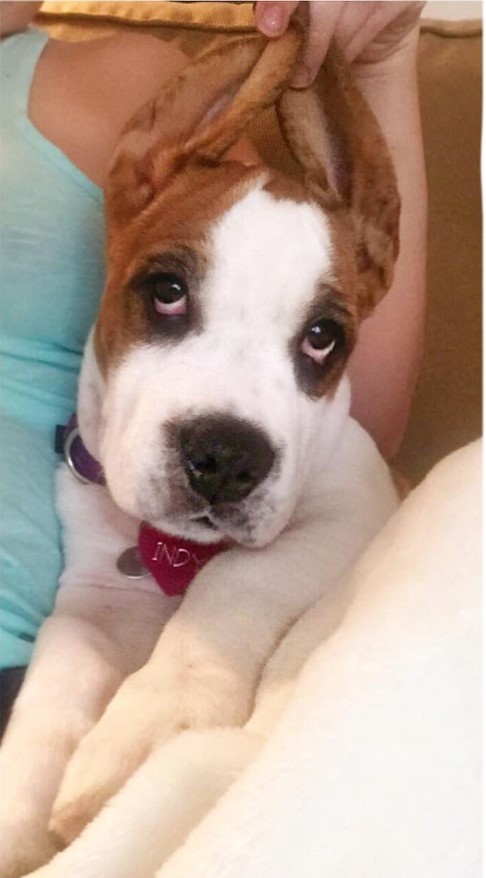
<point x="169" y="293"/>
<point x="322" y="337"/>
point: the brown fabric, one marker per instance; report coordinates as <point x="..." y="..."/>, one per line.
<point x="447" y="406"/>
<point x="193" y="24"/>
<point x="229" y="17"/>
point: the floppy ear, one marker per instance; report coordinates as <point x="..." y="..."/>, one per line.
<point x="346" y="164"/>
<point x="198" y="114"/>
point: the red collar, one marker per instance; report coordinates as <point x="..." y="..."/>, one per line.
<point x="172" y="561"/>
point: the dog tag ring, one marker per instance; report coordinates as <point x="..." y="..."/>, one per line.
<point x="131" y="565"/>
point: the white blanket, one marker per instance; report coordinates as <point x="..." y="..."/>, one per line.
<point x="373" y="771"/>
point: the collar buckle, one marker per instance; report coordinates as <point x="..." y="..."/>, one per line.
<point x="82" y="465"/>
<point x="70" y="438"/>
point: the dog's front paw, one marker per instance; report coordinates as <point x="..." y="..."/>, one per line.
<point x="98" y="769"/>
<point x="150" y="708"/>
<point x="24" y="847"/>
<point x="25" y="802"/>
<point x="136" y="719"/>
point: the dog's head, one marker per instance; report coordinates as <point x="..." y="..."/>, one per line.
<point x="234" y="294"/>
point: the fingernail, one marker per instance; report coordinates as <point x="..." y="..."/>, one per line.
<point x="272" y="21"/>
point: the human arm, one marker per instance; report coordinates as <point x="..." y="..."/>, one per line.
<point x="385" y="364"/>
<point x="15" y="17"/>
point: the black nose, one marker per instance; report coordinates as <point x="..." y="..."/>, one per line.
<point x="225" y="458"/>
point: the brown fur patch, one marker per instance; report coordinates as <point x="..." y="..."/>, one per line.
<point x="169" y="183"/>
<point x="283" y="187"/>
<point x="181" y="215"/>
<point x="347" y="167"/>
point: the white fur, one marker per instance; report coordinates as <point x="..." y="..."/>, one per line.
<point x="330" y="496"/>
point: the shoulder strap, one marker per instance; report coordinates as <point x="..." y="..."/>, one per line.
<point x="18" y="59"/>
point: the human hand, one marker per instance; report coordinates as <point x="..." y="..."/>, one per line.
<point x="367" y="32"/>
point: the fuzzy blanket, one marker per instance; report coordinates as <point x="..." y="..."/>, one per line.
<point x="374" y="770"/>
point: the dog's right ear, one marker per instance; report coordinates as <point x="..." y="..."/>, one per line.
<point x="198" y="114"/>
<point x="347" y="167"/>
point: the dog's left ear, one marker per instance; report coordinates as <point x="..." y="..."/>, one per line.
<point x="197" y="115"/>
<point x="347" y="167"/>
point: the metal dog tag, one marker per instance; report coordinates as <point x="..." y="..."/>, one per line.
<point x="131" y="565"/>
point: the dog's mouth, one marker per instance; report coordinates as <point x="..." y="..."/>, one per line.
<point x="206" y="522"/>
<point x="214" y="526"/>
<point x="234" y="525"/>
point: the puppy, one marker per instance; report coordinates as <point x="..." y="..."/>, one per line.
<point x="214" y="409"/>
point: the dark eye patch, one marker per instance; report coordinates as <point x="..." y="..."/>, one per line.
<point x="162" y="280"/>
<point x="328" y="325"/>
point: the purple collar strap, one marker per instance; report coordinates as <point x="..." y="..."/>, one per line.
<point x="83" y="466"/>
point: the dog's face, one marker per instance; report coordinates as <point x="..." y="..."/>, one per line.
<point x="230" y="310"/>
<point x="232" y="334"/>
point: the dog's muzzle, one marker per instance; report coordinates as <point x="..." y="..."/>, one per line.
<point x="224" y="458"/>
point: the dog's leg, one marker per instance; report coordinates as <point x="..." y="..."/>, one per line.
<point x="96" y="636"/>
<point x="205" y="667"/>
<point x="179" y="783"/>
<point x="72" y="677"/>
<point x="158" y="807"/>
<point x="78" y="664"/>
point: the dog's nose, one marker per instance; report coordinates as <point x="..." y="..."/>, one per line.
<point x="225" y="458"/>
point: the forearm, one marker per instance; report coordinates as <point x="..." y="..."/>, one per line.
<point x="385" y="363"/>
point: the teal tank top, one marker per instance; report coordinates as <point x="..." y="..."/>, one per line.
<point x="51" y="276"/>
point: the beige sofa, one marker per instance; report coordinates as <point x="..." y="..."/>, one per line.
<point x="447" y="405"/>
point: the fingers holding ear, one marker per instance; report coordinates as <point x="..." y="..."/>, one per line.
<point x="272" y="19"/>
<point x="365" y="31"/>
<point x="324" y="22"/>
<point x="377" y="33"/>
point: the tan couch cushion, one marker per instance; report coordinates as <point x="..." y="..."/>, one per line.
<point x="447" y="405"/>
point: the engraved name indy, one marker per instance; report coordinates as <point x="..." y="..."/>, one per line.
<point x="175" y="556"/>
